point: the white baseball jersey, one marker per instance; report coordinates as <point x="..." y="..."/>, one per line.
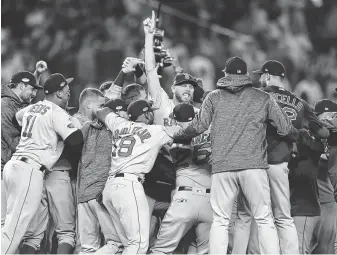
<point x="62" y="163"/>
<point x="165" y="106"/>
<point x="136" y="145"/>
<point x="193" y="161"/>
<point x="44" y="126"/>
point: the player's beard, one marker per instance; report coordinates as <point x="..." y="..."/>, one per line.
<point x="184" y="99"/>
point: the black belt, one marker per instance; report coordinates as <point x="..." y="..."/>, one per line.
<point x="122" y="175"/>
<point x="27" y="160"/>
<point x="187" y="188"/>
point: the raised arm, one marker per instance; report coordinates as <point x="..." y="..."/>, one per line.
<point x="154" y="87"/>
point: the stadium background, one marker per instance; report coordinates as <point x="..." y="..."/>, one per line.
<point x="89" y="39"/>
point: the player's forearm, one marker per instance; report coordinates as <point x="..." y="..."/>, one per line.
<point x="150" y="66"/>
<point x="150" y="61"/>
<point x="119" y="81"/>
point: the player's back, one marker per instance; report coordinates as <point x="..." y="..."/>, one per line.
<point x="39" y="138"/>
<point x="192" y="162"/>
<point x="136" y="145"/>
<point x="294" y="107"/>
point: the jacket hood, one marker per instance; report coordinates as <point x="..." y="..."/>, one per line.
<point x="234" y="83"/>
<point x="7" y="92"/>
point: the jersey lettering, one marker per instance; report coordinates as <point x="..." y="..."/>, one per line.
<point x="29" y="126"/>
<point x="39" y="108"/>
<point x="142" y="133"/>
<point x="287" y="100"/>
<point x="125" y="147"/>
<point x="169" y="122"/>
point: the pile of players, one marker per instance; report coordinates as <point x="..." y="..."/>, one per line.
<point x="133" y="170"/>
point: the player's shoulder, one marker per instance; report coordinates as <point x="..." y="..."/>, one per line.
<point x="259" y="93"/>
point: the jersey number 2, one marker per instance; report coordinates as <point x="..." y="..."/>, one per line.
<point x="126" y="145"/>
<point x="292" y="114"/>
<point x="29" y="126"/>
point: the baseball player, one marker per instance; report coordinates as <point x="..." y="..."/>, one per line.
<point x="190" y="204"/>
<point x="20" y="92"/>
<point x="92" y="175"/>
<point x="184" y="89"/>
<point x="44" y="124"/>
<point x="57" y="200"/>
<point x="279" y="149"/>
<point x="325" y="232"/>
<point x="136" y="145"/>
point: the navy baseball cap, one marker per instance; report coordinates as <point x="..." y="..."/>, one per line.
<point x="183" y="112"/>
<point x="139" y="107"/>
<point x="272" y="67"/>
<point x="116" y="105"/>
<point x="182" y="78"/>
<point x="235" y="65"/>
<point x="55" y="82"/>
<point x="325" y="105"/>
<point x="25" y="77"/>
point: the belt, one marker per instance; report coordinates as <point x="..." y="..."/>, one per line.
<point x="29" y="161"/>
<point x="123" y="175"/>
<point x="188" y="188"/>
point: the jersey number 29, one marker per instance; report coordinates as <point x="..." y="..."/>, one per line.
<point x="125" y="147"/>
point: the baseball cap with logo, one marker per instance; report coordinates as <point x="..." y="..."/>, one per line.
<point x="325" y="105"/>
<point x="272" y="67"/>
<point x="25" y="77"/>
<point x="55" y="82"/>
<point x="139" y="107"/>
<point x="235" y="65"/>
<point x="182" y="78"/>
<point x="183" y="112"/>
<point x="116" y="105"/>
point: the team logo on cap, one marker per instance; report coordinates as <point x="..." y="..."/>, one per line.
<point x="25" y="79"/>
<point x="145" y="109"/>
<point x="238" y="71"/>
<point x="62" y="84"/>
<point x="190" y="118"/>
<point x="187" y="76"/>
<point x="119" y="107"/>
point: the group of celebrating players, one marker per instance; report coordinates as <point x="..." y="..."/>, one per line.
<point x="134" y="171"/>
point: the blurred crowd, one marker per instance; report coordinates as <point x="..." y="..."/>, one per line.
<point x="89" y="41"/>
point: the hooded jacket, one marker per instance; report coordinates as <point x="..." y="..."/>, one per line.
<point x="239" y="115"/>
<point x="10" y="134"/>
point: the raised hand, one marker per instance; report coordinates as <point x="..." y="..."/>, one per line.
<point x="41" y="67"/>
<point x="129" y="64"/>
<point x="150" y="24"/>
